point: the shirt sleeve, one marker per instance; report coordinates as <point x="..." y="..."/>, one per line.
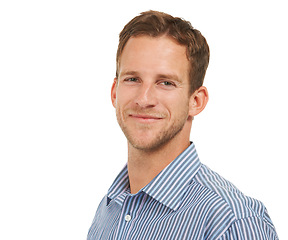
<point x="251" y="228"/>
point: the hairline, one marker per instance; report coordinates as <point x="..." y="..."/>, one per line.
<point x="164" y="34"/>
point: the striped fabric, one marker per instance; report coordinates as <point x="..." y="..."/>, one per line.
<point x="185" y="201"/>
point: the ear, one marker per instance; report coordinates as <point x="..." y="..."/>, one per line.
<point x="198" y="101"/>
<point x="113" y="92"/>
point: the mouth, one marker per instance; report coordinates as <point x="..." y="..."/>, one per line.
<point x="145" y="118"/>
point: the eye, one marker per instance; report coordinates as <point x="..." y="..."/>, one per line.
<point x="131" y="79"/>
<point x="167" y="84"/>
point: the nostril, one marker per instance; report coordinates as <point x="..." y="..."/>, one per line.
<point x="146" y="98"/>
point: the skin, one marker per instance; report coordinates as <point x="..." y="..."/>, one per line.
<point x="153" y="106"/>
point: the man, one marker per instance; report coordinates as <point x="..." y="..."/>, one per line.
<point x="164" y="192"/>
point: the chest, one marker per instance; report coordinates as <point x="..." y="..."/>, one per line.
<point x="146" y="218"/>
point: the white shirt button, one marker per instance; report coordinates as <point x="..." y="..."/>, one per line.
<point x="127" y="218"/>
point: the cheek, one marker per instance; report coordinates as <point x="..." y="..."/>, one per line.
<point x="177" y="103"/>
<point x="180" y="111"/>
<point x="120" y="96"/>
<point x="123" y="99"/>
<point x="126" y="95"/>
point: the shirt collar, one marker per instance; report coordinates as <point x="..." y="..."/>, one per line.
<point x="120" y="185"/>
<point x="169" y="186"/>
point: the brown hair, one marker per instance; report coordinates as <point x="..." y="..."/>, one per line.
<point x="156" y="24"/>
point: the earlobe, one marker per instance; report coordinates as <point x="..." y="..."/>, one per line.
<point x="113" y="92"/>
<point x="198" y="101"/>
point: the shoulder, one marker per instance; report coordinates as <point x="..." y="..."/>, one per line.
<point x="241" y="205"/>
<point x="250" y="215"/>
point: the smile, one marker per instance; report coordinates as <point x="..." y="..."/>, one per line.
<point x="145" y="118"/>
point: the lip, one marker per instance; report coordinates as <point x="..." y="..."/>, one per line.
<point x="144" y="118"/>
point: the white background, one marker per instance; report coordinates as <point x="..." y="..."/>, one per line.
<point x="60" y="144"/>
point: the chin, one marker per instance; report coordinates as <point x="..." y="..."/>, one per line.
<point x="145" y="147"/>
<point x="148" y="144"/>
<point x="150" y="139"/>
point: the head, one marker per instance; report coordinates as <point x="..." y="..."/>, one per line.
<point x="156" y="24"/>
<point x="161" y="63"/>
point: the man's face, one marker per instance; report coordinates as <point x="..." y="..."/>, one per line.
<point x="151" y="94"/>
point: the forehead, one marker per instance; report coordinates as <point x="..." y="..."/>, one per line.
<point x="154" y="53"/>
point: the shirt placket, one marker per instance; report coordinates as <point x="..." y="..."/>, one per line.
<point x="125" y="217"/>
<point x="131" y="207"/>
<point x="136" y="209"/>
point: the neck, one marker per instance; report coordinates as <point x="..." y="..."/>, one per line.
<point x="143" y="165"/>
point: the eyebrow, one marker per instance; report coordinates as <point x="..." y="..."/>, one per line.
<point x="129" y="73"/>
<point x="170" y="76"/>
<point x="163" y="76"/>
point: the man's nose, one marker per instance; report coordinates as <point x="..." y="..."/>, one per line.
<point x="146" y="96"/>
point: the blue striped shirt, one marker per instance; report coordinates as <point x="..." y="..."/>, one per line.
<point x="186" y="200"/>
